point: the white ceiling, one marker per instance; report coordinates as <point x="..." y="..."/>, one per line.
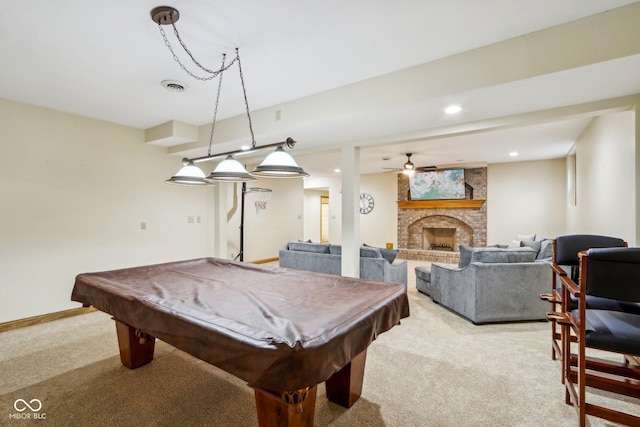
<point x="106" y="60"/>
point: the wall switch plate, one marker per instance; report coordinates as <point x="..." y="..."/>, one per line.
<point x="143" y="225"/>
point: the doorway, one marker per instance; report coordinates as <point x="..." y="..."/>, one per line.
<point x="324" y="219"/>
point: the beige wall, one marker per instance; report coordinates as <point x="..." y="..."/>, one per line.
<point x="73" y="194"/>
<point x="605" y="178"/>
<point x="282" y="221"/>
<point x="380" y="226"/>
<point x="525" y="198"/>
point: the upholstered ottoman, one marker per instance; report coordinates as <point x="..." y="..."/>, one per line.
<point x="423" y="279"/>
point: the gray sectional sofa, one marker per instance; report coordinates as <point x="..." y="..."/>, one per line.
<point x="375" y="263"/>
<point x="494" y="284"/>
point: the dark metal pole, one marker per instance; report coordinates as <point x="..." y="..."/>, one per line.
<point x="244" y="192"/>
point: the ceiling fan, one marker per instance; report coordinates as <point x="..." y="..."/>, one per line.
<point x="409" y="168"/>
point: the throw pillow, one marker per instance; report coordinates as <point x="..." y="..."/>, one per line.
<point x="388" y="254"/>
<point x="546" y="249"/>
<point x="515" y="244"/>
<point x="526" y="237"/>
<point x="533" y="244"/>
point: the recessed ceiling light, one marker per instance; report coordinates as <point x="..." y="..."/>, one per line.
<point x="336" y="170"/>
<point x="453" y="109"/>
<point x="513" y="154"/>
<point x="174" y="85"/>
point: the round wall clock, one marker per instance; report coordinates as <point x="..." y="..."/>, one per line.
<point x="366" y="203"/>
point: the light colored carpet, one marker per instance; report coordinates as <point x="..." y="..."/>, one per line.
<point x="435" y="369"/>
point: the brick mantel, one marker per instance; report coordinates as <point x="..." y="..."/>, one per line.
<point x="467" y="216"/>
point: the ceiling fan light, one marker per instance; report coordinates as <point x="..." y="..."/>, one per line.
<point x="279" y="164"/>
<point x="408" y="168"/>
<point x="230" y="170"/>
<point x="409" y="172"/>
<point x="189" y="175"/>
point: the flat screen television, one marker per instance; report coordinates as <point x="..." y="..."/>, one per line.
<point x="437" y="185"/>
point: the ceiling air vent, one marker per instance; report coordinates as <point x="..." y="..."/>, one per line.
<point x="174" y="86"/>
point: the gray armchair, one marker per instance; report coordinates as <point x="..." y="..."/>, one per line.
<point x="498" y="285"/>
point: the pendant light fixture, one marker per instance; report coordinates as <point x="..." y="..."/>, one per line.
<point x="190" y="175"/>
<point x="230" y="170"/>
<point x="278" y="164"/>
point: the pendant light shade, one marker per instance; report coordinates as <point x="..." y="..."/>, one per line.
<point x="230" y="170"/>
<point x="190" y="175"/>
<point x="279" y="164"/>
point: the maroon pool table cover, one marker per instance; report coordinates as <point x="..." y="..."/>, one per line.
<point x="276" y="328"/>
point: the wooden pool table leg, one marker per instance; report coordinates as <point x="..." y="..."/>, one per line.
<point x="135" y="349"/>
<point x="287" y="409"/>
<point x="345" y="386"/>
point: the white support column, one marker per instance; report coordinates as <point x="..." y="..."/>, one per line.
<point x="350" y="211"/>
<point x="220" y="221"/>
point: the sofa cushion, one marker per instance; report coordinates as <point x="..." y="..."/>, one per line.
<point x="319" y="248"/>
<point x="510" y="255"/>
<point x="466" y="251"/>
<point x="388" y="254"/>
<point x="424" y="272"/>
<point x="465" y="255"/>
<point x="370" y="252"/>
<point x="365" y="251"/>
<point x="335" y="249"/>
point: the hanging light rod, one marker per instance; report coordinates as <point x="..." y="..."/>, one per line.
<point x="278" y="164"/>
<point x="289" y="143"/>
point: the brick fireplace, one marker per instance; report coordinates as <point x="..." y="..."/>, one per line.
<point x="432" y="230"/>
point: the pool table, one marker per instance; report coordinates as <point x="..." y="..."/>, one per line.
<point x="282" y="331"/>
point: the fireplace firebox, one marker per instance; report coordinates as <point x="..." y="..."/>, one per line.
<point x="439" y="239"/>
